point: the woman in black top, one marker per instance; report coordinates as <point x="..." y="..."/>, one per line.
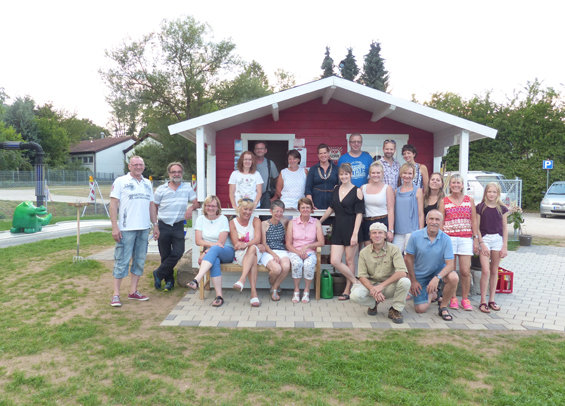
<point x="433" y="197"/>
<point x="349" y="207"/>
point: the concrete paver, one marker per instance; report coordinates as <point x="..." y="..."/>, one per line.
<point x="536" y="303"/>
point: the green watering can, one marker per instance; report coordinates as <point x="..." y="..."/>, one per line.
<point x="326" y="285"/>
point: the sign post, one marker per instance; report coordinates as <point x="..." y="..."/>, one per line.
<point x="548" y="164"/>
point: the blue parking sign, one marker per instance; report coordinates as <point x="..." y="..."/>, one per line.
<point x="548" y="164"/>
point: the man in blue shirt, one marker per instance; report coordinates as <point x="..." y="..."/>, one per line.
<point x="429" y="259"/>
<point x="359" y="160"/>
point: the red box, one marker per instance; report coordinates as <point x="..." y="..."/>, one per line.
<point x="505" y="282"/>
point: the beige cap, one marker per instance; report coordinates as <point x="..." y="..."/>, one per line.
<point x="378" y="226"/>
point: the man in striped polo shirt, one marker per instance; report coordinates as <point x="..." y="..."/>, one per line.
<point x="172" y="200"/>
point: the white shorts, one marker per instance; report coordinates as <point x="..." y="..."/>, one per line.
<point x="266" y="257"/>
<point x="239" y="254"/>
<point x="493" y="242"/>
<point x="462" y="246"/>
<point x="401" y="241"/>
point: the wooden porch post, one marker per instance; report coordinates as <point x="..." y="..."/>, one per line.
<point x="464" y="157"/>
<point x="200" y="165"/>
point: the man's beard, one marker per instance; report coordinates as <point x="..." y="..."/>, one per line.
<point x="176" y="180"/>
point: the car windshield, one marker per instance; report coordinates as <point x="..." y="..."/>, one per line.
<point x="557" y="189"/>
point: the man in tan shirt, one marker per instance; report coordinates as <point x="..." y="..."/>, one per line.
<point x="382" y="274"/>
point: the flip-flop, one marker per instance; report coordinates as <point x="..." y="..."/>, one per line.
<point x="255" y="302"/>
<point x="238" y="286"/>
<point x="483" y="308"/>
<point x="221" y="299"/>
<point x="193" y="284"/>
<point x="494" y="306"/>
<point x="344" y="296"/>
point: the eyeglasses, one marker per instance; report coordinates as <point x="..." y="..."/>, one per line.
<point x="356" y="142"/>
<point x="137" y="165"/>
<point x="176" y="172"/>
<point x="390" y="141"/>
<point x="209" y="206"/>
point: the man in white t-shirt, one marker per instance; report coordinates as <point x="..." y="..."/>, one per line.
<point x="133" y="194"/>
<point x="171" y="200"/>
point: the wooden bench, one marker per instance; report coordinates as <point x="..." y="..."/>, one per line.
<point x="205" y="282"/>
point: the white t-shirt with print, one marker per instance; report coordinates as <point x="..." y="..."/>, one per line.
<point x="245" y="184"/>
<point x="135" y="198"/>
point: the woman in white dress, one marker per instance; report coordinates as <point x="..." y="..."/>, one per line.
<point x="246" y="181"/>
<point x="291" y="184"/>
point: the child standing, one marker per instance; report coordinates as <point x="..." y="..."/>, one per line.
<point x="492" y="218"/>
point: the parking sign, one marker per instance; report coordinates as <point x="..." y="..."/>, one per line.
<point x="548" y="164"/>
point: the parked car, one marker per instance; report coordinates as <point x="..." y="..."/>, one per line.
<point x="553" y="202"/>
<point x="477" y="180"/>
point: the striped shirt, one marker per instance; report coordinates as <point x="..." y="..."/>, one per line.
<point x="172" y="203"/>
<point x="390" y="175"/>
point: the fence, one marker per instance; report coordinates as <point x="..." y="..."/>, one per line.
<point x="57" y="177"/>
<point x="511" y="190"/>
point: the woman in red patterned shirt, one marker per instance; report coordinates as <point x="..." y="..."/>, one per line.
<point x="460" y="224"/>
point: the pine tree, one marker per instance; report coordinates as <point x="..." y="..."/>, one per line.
<point x="348" y="67"/>
<point x="328" y="65"/>
<point x="374" y="73"/>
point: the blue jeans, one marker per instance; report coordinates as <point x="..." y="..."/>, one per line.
<point x="216" y="256"/>
<point x="133" y="244"/>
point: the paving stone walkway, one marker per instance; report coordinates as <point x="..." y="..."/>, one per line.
<point x="537" y="302"/>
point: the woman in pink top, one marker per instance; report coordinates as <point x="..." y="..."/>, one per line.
<point x="460" y="223"/>
<point x="303" y="235"/>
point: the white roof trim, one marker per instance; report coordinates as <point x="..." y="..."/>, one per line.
<point x="345" y="91"/>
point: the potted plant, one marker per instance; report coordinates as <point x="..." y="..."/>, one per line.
<point x="516" y="218"/>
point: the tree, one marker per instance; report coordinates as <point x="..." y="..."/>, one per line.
<point x="374" y="73"/>
<point x="348" y="67"/>
<point x="20" y="115"/>
<point x="327" y="65"/>
<point x="285" y="80"/>
<point x="531" y="128"/>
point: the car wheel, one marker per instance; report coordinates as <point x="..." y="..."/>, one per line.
<point x="543" y="216"/>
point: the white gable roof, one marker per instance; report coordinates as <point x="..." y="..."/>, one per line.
<point x="443" y="125"/>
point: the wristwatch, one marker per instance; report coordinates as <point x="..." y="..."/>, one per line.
<point x="476" y="236"/>
<point x="438" y="276"/>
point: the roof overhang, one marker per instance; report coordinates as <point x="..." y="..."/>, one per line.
<point x="444" y="126"/>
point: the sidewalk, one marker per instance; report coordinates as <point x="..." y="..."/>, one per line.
<point x="538" y="302"/>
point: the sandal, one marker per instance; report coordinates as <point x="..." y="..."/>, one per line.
<point x="483" y="308"/>
<point x="218" y="301"/>
<point x="274" y="295"/>
<point x="466" y="305"/>
<point x="255" y="302"/>
<point x="444" y="314"/>
<point x="296" y="297"/>
<point x="238" y="286"/>
<point x="306" y="297"/>
<point x="193" y="285"/>
<point x="453" y="303"/>
<point x="343" y="297"/>
<point x="494" y="306"/>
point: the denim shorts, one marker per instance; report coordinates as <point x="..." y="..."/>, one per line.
<point x="132" y="245"/>
<point x="424" y="281"/>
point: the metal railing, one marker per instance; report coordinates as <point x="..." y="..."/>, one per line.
<point x="53" y="177"/>
<point x="511" y="190"/>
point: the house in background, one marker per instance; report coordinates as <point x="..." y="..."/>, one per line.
<point x="107" y="155"/>
<point x="324" y="111"/>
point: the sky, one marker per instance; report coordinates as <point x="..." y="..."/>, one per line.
<point x="53" y="50"/>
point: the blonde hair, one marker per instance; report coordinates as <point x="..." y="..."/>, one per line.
<point x="210" y="199"/>
<point x="376" y="164"/>
<point x="403" y="169"/>
<point x="440" y="193"/>
<point x="458" y="177"/>
<point x="243" y="202"/>
<point x="498" y="202"/>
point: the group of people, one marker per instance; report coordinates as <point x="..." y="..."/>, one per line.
<point x="409" y="233"/>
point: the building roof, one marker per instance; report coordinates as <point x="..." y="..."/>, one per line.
<point x="98" y="145"/>
<point x="141" y="139"/>
<point x="444" y="126"/>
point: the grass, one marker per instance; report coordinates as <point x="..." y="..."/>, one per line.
<point x="55" y="349"/>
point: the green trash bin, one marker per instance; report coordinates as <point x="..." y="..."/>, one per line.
<point x="326" y="285"/>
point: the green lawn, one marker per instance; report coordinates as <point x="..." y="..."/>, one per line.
<point x="61" y="343"/>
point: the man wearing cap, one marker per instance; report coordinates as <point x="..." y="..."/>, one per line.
<point x="429" y="259"/>
<point x="382" y="275"/>
<point x="171" y="200"/>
